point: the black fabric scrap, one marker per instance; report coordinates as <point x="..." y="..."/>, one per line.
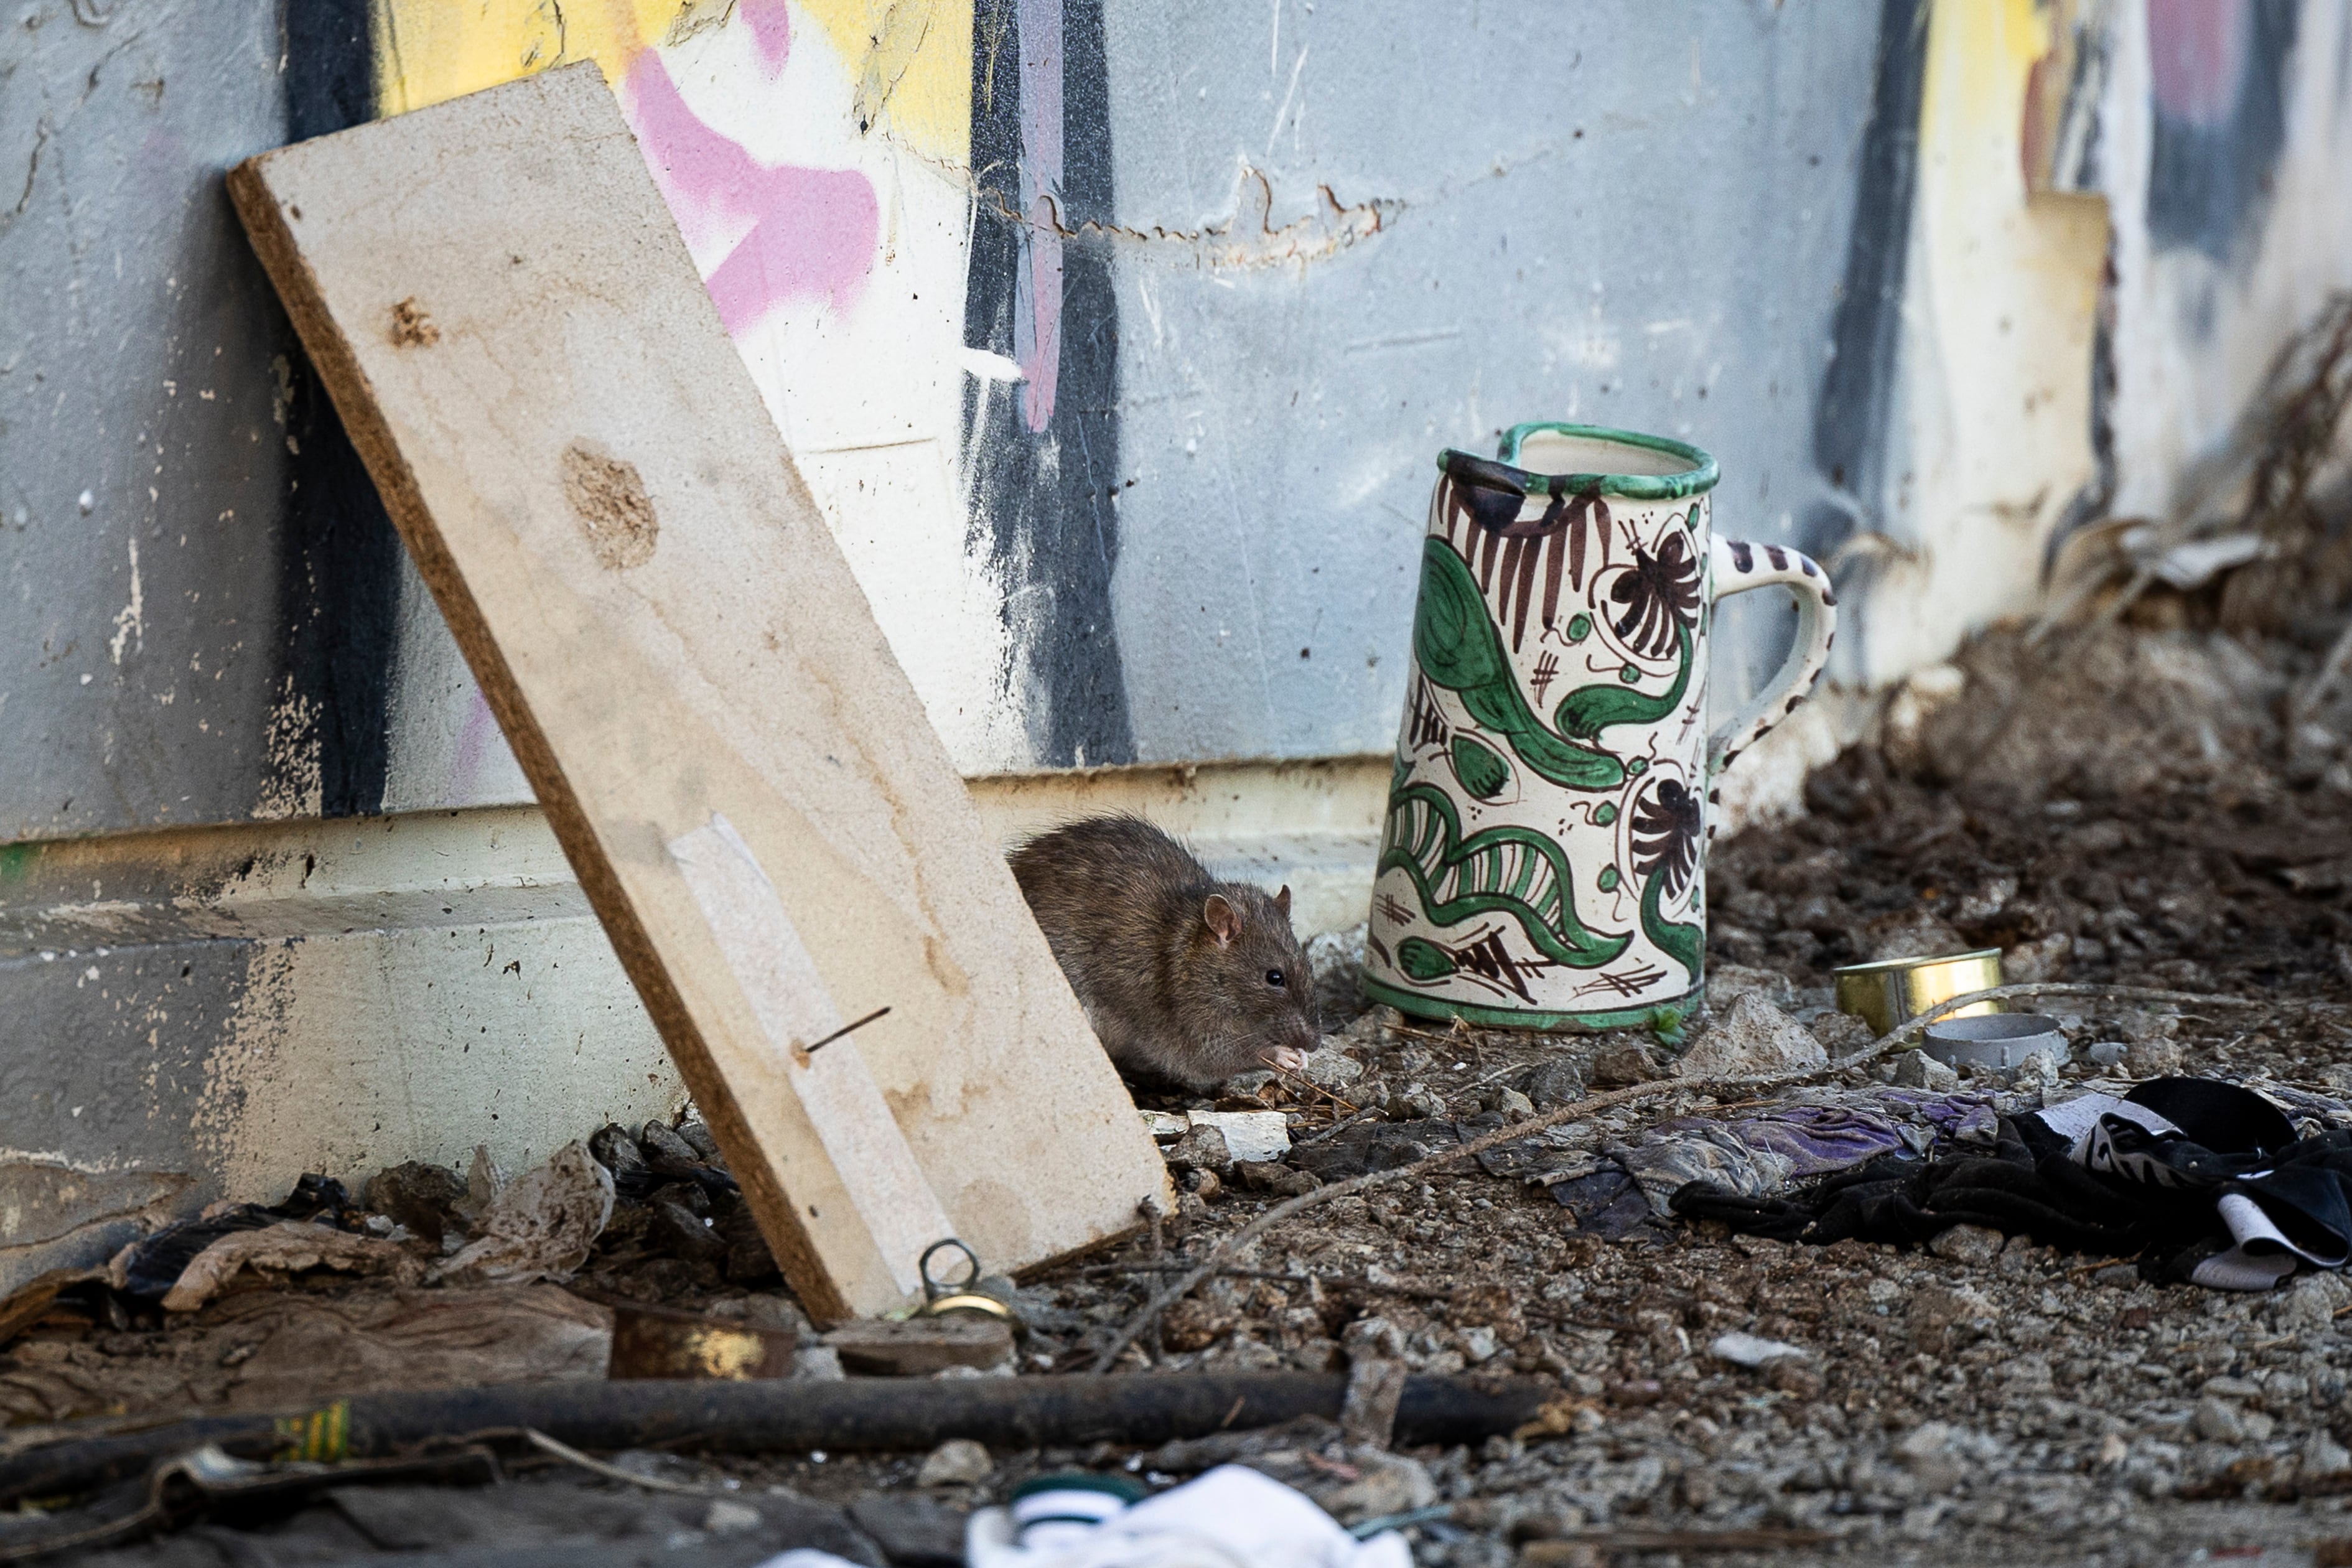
<point x="2029" y="1186"/>
<point x="155" y="1265"/>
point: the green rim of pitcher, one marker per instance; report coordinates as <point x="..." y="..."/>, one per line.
<point x="1417" y="1005"/>
<point x="1697" y="479"/>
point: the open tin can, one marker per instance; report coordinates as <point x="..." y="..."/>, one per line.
<point x="1893" y="990"/>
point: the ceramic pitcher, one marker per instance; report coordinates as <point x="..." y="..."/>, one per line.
<point x="1543" y="861"/>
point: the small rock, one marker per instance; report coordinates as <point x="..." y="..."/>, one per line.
<point x="1415" y="1102"/>
<point x="1752" y="1036"/>
<point x="1727" y="982"/>
<point x="726" y="1516"/>
<point x="1389" y="1484"/>
<point x="1478" y="1344"/>
<point x="1331" y="1068"/>
<point x="958" y="1462"/>
<point x="1974" y="1244"/>
<point x="1248" y="1134"/>
<point x="1194" y="1324"/>
<point x="1623" y="1064"/>
<point x="2107" y="1053"/>
<point x="1272" y="1176"/>
<point x="1942" y="1319"/>
<point x="2156" y="1057"/>
<point x="1917" y="1070"/>
<point x="1791" y="1376"/>
<point x="1515" y="1106"/>
<point x="2323" y="1458"/>
<point x="2117" y="1276"/>
<point x="699" y="1138"/>
<point x="1928" y="1439"/>
<point x="1750" y="1349"/>
<point x="1205" y="1185"/>
<point x="1165" y="1126"/>
<point x="2238" y="1388"/>
<point x="2313" y="1302"/>
<point x="2218" y="1421"/>
<point x="1554" y="1084"/>
<point x="1203" y="1148"/>
<point x="818" y="1363"/>
<point x="676" y="1230"/>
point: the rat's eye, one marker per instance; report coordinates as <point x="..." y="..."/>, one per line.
<point x="1274" y="978"/>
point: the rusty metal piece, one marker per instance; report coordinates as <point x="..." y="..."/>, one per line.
<point x="1894" y="991"/>
<point x="918" y="1347"/>
<point x="662" y="1342"/>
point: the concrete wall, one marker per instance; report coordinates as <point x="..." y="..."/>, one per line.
<point x="1116" y="341"/>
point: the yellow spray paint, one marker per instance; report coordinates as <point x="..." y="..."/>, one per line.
<point x="912" y="58"/>
<point x="1995" y="433"/>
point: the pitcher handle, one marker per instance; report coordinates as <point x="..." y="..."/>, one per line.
<point x="1738" y="567"/>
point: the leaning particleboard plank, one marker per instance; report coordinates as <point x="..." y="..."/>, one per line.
<point x="739" y="771"/>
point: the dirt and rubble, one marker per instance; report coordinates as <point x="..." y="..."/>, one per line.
<point x="2130" y="806"/>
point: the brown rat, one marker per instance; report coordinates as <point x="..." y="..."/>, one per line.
<point x="1181" y="975"/>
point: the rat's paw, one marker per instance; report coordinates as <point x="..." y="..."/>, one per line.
<point x="1285" y="1058"/>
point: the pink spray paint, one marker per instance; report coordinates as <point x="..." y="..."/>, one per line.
<point x="811" y="231"/>
<point x="1037" y="284"/>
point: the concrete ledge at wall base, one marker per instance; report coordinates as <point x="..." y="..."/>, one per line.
<point x="209" y="1013"/>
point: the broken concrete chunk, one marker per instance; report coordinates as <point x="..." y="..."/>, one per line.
<point x="1752" y="1036"/>
<point x="1751" y="1350"/>
<point x="1249" y="1134"/>
<point x="1165" y="1126"/>
<point x="1917" y="1070"/>
<point x="921" y="1346"/>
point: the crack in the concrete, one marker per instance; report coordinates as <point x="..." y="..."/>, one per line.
<point x="1247" y="240"/>
<point x="41" y="133"/>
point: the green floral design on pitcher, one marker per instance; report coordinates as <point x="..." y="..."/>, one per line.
<point x="1512" y="871"/>
<point x="1460" y="649"/>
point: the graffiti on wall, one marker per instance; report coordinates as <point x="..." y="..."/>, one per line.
<point x="891" y="215"/>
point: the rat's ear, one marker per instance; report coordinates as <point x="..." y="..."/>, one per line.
<point x="1224" y="921"/>
<point x="1282" y="901"/>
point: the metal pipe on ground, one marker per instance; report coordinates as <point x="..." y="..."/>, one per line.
<point x="860" y="1414"/>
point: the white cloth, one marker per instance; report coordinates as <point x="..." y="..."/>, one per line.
<point x="1232" y="1517"/>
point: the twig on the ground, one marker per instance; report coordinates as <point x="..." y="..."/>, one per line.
<point x="1901" y="1036"/>
<point x="571" y="1455"/>
<point x="1328" y="1281"/>
<point x="1368" y="1113"/>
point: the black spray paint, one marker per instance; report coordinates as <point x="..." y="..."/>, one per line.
<point x="2207" y="185"/>
<point x="1851" y="417"/>
<point x="338" y="562"/>
<point x="1041" y="501"/>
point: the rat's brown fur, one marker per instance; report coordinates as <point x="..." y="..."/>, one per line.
<point x="1169" y="963"/>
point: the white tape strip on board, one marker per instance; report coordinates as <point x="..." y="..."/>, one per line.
<point x="789" y="996"/>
